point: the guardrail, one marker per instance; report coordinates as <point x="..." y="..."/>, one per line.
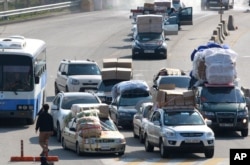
<point x="6" y="14"/>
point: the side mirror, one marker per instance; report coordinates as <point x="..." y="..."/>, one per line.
<point x="157" y="123"/>
<point x="63" y="73"/>
<point x="72" y="129"/>
<point x="54" y="107"/>
<point x="208" y="122"/>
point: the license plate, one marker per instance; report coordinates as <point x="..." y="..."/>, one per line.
<point x="105" y="148"/>
<point x="226" y="125"/>
<point x="149" y="51"/>
<point x="192" y="140"/>
<point x="212" y="2"/>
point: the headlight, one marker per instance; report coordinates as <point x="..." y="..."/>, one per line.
<point x="243" y="113"/>
<point x="89" y="141"/>
<point x="208" y="113"/>
<point x="137" y="45"/>
<point x="74" y="82"/>
<point x="169" y="134"/>
<point x="120" y="141"/>
<point x="209" y="134"/>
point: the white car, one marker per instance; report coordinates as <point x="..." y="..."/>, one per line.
<point x="141" y="118"/>
<point x="62" y="103"/>
<point x="179" y="130"/>
<point x="77" y="76"/>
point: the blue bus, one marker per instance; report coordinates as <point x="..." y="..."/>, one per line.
<point x="23" y="77"/>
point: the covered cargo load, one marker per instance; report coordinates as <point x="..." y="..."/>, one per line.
<point x="215" y="65"/>
<point x="150" y="23"/>
<point x="129" y="86"/>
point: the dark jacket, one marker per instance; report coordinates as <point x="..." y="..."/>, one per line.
<point x="44" y="122"/>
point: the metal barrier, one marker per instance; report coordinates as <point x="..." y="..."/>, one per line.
<point x="6" y="14"/>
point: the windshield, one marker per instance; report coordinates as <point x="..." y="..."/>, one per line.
<point x="180" y="82"/>
<point x="108" y="125"/>
<point x="16" y="75"/>
<point x="107" y="85"/>
<point x="222" y="95"/>
<point x="68" y="101"/>
<point x="84" y="69"/>
<point x="182" y="118"/>
<point x="146" y="37"/>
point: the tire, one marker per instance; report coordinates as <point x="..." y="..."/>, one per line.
<point x="244" y="132"/>
<point x="209" y="153"/>
<point x="58" y="133"/>
<point x="64" y="144"/>
<point x="163" y="151"/>
<point x="56" y="89"/>
<point x="78" y="151"/>
<point x="134" y="134"/>
<point x="141" y="139"/>
<point x="148" y="147"/>
<point x="120" y="153"/>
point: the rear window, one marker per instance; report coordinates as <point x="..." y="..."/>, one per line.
<point x="67" y="102"/>
<point x="84" y="69"/>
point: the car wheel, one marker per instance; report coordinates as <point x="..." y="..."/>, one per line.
<point x="141" y="136"/>
<point x="244" y="132"/>
<point x="78" y="151"/>
<point x="56" y="89"/>
<point x="134" y="134"/>
<point x="209" y="153"/>
<point x="120" y="153"/>
<point x="163" y="150"/>
<point x="148" y="146"/>
<point x="64" y="144"/>
<point x="58" y="133"/>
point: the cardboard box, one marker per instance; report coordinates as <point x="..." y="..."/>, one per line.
<point x="167" y="86"/>
<point x="108" y="73"/>
<point x="149" y="6"/>
<point x="123" y="73"/>
<point x="124" y="63"/>
<point x="109" y="63"/>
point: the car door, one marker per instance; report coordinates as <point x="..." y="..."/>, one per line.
<point x="55" y="109"/>
<point x="62" y="77"/>
<point x="170" y="26"/>
<point x="186" y="16"/>
<point x="113" y="109"/>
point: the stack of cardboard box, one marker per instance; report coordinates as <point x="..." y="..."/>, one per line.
<point x="117" y="68"/>
<point x="150" y="23"/>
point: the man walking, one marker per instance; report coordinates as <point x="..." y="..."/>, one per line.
<point x="45" y="126"/>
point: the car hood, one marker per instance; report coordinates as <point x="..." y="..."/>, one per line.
<point x="223" y="106"/>
<point x="190" y="128"/>
<point x="87" y="78"/>
<point x="111" y="134"/>
<point x="130" y="109"/>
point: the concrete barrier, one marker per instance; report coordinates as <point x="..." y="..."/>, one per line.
<point x="222" y="31"/>
<point x="87" y="5"/>
<point x="215" y="36"/>
<point x="225" y="27"/>
<point x="231" y="23"/>
<point x="97" y="4"/>
<point x="219" y="34"/>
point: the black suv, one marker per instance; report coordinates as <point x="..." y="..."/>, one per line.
<point x="225" y="106"/>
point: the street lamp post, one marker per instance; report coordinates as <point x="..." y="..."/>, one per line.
<point x="221" y="10"/>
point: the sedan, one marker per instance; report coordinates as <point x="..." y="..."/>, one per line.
<point x="141" y="118"/>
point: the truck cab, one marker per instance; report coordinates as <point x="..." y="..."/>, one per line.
<point x="225" y="106"/>
<point x="226" y="4"/>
